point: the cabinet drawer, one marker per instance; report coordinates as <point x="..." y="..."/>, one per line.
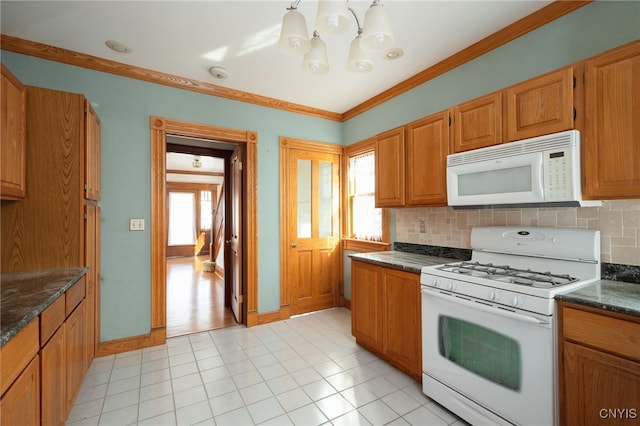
<point x="610" y="334"/>
<point x="17" y="353"/>
<point x="51" y="318"/>
<point x="74" y="295"/>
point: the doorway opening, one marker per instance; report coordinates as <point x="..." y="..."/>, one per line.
<point x="197" y="297"/>
<point x="238" y="148"/>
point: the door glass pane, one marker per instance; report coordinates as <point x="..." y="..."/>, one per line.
<point x="326" y="199"/>
<point x="515" y="179"/>
<point x="206" y="210"/>
<point x="182" y="218"/>
<point x="482" y="351"/>
<point x="304" y="198"/>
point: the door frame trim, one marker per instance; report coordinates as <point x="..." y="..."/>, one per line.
<point x="160" y="127"/>
<point x="287" y="144"/>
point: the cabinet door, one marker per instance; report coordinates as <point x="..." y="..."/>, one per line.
<point x="403" y="325"/>
<point x="91" y="249"/>
<point x="599" y="388"/>
<point x="75" y="352"/>
<point x="92" y="153"/>
<point x="53" y="396"/>
<point x="366" y="304"/>
<point x="611" y="160"/>
<point x="478" y="123"/>
<point x="541" y="105"/>
<point x="13" y="133"/>
<point x="390" y="162"/>
<point x="426" y="160"/>
<point x="20" y="405"/>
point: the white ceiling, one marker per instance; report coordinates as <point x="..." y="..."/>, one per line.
<point x="184" y="162"/>
<point x="186" y="38"/>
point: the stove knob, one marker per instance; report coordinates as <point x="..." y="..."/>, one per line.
<point x="517" y="301"/>
<point x="451" y="286"/>
<point x="493" y="296"/>
<point x="434" y="282"/>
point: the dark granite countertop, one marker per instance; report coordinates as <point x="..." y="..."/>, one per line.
<point x="614" y="296"/>
<point x="410" y="262"/>
<point x="24" y="295"/>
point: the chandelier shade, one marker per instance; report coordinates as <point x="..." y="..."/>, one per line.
<point x="294" y="37"/>
<point x="376" y="32"/>
<point x="333" y="17"/>
<point x="315" y="60"/>
<point x="359" y="59"/>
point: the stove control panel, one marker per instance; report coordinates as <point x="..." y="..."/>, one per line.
<point x="499" y="296"/>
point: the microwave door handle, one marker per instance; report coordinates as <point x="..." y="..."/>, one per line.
<point x="485" y="308"/>
<point x="541" y="179"/>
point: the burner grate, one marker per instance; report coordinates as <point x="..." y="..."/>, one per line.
<point x="506" y="273"/>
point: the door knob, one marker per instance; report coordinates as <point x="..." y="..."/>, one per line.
<point x="294" y="245"/>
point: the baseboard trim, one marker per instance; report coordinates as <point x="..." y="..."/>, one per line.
<point x="158" y="336"/>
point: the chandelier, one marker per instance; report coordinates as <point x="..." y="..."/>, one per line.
<point x="334" y="18"/>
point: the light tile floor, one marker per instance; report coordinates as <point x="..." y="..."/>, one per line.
<point x="307" y="370"/>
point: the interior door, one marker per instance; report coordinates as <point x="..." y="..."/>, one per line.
<point x="313" y="233"/>
<point x="235" y="237"/>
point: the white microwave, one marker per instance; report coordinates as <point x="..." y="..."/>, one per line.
<point x="539" y="172"/>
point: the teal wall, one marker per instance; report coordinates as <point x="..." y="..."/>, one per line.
<point x="124" y="106"/>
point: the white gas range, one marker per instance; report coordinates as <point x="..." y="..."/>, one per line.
<point x="489" y="333"/>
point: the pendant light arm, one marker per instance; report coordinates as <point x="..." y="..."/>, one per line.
<point x="357" y="20"/>
<point x="294" y="5"/>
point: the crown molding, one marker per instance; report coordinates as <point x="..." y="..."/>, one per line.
<point x="69" y="57"/>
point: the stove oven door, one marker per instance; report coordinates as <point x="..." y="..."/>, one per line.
<point x="487" y="364"/>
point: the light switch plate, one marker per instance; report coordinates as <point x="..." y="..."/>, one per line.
<point x="136" y="224"/>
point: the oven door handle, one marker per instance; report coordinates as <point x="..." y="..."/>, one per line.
<point x="483" y="307"/>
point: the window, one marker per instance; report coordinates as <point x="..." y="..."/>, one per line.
<point x="206" y="210"/>
<point x="365" y="221"/>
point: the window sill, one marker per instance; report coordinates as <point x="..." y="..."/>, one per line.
<point x="364" y="246"/>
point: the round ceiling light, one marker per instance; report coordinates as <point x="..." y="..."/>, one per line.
<point x="393" y="53"/>
<point x="117" y="46"/>
<point x="219" y="72"/>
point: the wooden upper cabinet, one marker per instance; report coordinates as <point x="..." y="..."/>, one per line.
<point x="92" y="153"/>
<point x="390" y="168"/>
<point x="611" y="138"/>
<point x="541" y="105"/>
<point x="427" y="147"/>
<point x="46" y="229"/>
<point x="477" y="123"/>
<point x="13" y="133"/>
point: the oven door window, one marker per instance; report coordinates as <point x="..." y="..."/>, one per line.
<point x="482" y="351"/>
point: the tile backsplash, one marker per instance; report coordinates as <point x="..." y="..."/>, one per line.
<point x="618" y="222"/>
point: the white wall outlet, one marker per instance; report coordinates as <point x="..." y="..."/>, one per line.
<point x="423" y="227"/>
<point x="136" y="224"/>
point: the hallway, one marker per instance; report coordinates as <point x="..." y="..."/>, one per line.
<point x="195" y="298"/>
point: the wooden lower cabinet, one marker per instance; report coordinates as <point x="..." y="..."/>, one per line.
<point x="53" y="361"/>
<point x="599" y="368"/>
<point x="20" y="405"/>
<point x="75" y="352"/>
<point x="386" y="317"/>
<point x="366" y="304"/>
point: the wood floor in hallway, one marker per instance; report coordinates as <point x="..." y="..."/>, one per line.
<point x="195" y="298"/>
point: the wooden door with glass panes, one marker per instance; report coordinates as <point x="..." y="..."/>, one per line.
<point x="313" y="233"/>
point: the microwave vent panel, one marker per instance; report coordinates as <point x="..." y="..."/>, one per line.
<point x="537" y="144"/>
